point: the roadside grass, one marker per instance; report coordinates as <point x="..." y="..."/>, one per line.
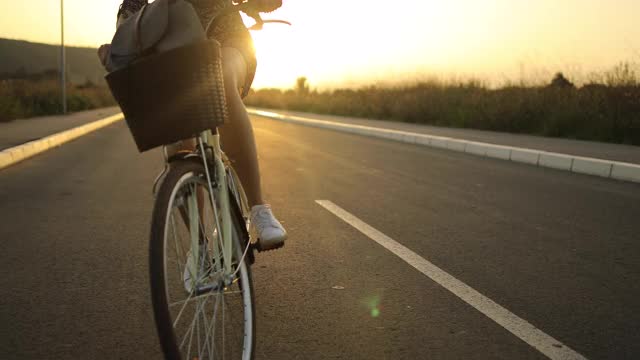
<point x="40" y="95"/>
<point x="607" y="109"/>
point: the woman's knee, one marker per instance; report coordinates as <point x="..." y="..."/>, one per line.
<point x="234" y="70"/>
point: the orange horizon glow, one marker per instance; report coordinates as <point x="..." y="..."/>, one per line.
<point x="349" y="43"/>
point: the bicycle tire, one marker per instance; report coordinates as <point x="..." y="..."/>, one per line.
<point x="241" y="208"/>
<point x="175" y="178"/>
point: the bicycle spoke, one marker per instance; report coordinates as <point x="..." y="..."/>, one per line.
<point x="194" y="298"/>
<point x="223" y="332"/>
<point x="190" y="331"/>
<point x="205" y="329"/>
<point x="213" y="324"/>
<point x="177" y="246"/>
<point x="206" y="335"/>
<point x="186" y="302"/>
<point x="197" y="326"/>
<point x="208" y="329"/>
<point x="190" y="341"/>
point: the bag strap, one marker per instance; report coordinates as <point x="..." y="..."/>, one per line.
<point x="138" y="37"/>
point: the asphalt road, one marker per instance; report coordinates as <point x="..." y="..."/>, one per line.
<point x="557" y="249"/>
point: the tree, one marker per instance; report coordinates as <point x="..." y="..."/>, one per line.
<point x="302" y="87"/>
<point x="559" y="81"/>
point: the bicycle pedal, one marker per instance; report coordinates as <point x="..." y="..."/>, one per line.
<point x="258" y="246"/>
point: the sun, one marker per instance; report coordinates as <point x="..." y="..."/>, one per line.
<point x="317" y="45"/>
<point x="338" y="42"/>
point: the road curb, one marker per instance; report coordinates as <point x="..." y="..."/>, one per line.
<point x="576" y="164"/>
<point x="18" y="153"/>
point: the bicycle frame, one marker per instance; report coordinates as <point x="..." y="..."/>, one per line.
<point x="207" y="138"/>
<point x="217" y="183"/>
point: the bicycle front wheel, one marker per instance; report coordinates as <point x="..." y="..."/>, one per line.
<point x="201" y="310"/>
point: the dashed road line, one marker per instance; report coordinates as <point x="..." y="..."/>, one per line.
<point x="519" y="327"/>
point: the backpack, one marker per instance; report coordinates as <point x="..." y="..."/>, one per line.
<point x="158" y="27"/>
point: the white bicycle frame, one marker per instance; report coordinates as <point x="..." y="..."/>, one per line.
<point x="207" y="137"/>
<point x="223" y="220"/>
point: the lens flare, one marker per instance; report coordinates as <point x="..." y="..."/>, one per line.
<point x="375" y="312"/>
<point x="373" y="305"/>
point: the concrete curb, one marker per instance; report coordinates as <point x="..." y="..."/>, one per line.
<point x="577" y="164"/>
<point x="18" y="153"/>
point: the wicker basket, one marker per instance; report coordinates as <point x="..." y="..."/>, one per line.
<point x="173" y="95"/>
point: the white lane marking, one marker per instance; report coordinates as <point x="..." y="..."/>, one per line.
<point x="21" y="152"/>
<point x="590" y="166"/>
<point x="519" y="327"/>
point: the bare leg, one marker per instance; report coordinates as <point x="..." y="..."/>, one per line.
<point x="236" y="135"/>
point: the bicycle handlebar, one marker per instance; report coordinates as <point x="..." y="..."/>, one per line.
<point x="248" y="7"/>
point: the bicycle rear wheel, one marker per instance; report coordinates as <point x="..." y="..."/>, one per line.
<point x="200" y="312"/>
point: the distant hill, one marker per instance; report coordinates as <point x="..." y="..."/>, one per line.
<point x="23" y="56"/>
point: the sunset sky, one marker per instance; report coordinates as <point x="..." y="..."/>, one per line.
<point x="358" y="42"/>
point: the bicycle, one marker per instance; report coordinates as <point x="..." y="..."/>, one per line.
<point x="199" y="247"/>
<point x="200" y="252"/>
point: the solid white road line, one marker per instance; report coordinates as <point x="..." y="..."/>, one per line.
<point x="577" y="164"/>
<point x="18" y="153"/>
<point x="519" y="327"/>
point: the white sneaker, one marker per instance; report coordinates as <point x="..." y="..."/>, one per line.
<point x="270" y="233"/>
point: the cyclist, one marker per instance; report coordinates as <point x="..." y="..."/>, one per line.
<point x="238" y="142"/>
